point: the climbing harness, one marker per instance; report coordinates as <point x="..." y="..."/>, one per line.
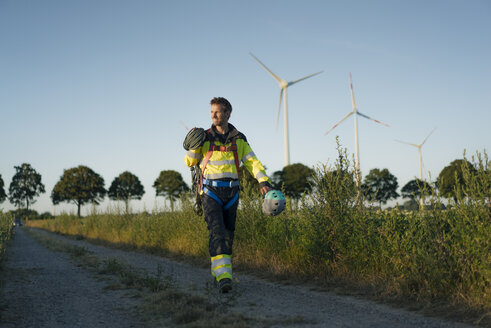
<point x="214" y="183"/>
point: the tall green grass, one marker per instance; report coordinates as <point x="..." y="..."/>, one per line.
<point x="427" y="256"/>
<point x="6" y="224"/>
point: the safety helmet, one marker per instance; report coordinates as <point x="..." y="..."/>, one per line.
<point x="194" y="139"/>
<point x="274" y="203"/>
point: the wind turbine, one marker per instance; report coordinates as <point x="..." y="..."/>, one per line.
<point x="419" y="152"/>
<point x="356" y="112"/>
<point x="283" y="85"/>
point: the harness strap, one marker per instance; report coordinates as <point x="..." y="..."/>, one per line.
<point x="219" y="201"/>
<point x="218" y="183"/>
<point x="213" y="148"/>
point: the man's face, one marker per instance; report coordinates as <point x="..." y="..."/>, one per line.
<point x="218" y="115"/>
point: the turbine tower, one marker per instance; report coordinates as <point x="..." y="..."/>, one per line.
<point x="283" y="85"/>
<point x="356" y="112"/>
<point x="419" y="152"/>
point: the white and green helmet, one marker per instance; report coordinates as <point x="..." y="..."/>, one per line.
<point x="274" y="203"/>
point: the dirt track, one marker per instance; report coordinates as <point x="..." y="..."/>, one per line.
<point x="43" y="288"/>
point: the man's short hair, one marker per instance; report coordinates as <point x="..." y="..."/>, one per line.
<point x="223" y="102"/>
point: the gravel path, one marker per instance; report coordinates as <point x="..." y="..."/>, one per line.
<point x="43" y="288"/>
<point x="57" y="293"/>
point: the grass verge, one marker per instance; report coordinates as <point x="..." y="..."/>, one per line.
<point x="6" y="224"/>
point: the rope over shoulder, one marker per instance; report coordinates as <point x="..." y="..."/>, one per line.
<point x="194" y="139"/>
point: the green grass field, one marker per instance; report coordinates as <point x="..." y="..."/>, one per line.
<point x="436" y="258"/>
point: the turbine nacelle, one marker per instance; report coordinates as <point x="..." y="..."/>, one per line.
<point x="419" y="151"/>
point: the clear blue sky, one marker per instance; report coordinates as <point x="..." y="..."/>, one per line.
<point x="105" y="83"/>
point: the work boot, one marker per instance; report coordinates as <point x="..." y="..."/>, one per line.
<point x="225" y="285"/>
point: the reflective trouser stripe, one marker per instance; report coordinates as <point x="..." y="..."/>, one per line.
<point x="220" y="262"/>
<point x="223" y="272"/>
<point x="221" y="267"/>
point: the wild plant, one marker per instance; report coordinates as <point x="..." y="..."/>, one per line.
<point x="6" y="224"/>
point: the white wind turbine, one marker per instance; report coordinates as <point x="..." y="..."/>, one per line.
<point x="419" y="152"/>
<point x="284" y="85"/>
<point x="356" y="112"/>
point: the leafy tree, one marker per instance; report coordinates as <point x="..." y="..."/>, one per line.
<point x="277" y="180"/>
<point x="3" y="195"/>
<point x="26" y="184"/>
<point x="294" y="179"/>
<point x="413" y="188"/>
<point x="170" y="185"/>
<point x="333" y="180"/>
<point x="126" y="187"/>
<point x="79" y="185"/>
<point x="452" y="177"/>
<point x="380" y="186"/>
<point x="410" y="205"/>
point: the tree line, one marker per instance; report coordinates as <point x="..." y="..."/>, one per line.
<point x="81" y="185"/>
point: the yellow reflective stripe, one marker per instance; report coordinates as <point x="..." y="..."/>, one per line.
<point x="221" y="256"/>
<point x="220" y="271"/>
<point x="214" y="169"/>
<point x="260" y="175"/>
<point x="247" y="156"/>
<point x="193" y="154"/>
<point x="217" y="269"/>
<point x="224" y="275"/>
<point x="224" y="162"/>
<point x="263" y="180"/>
<point x="192" y="157"/>
<point x="222" y="261"/>
<point x="222" y="175"/>
<point x="222" y="266"/>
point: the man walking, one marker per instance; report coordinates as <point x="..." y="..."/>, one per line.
<point x="223" y="148"/>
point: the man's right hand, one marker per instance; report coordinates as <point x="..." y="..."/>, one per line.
<point x="265" y="189"/>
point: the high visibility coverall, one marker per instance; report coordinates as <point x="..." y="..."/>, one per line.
<point x="221" y="169"/>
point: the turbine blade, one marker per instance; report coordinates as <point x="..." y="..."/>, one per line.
<point x="428" y="136"/>
<point x="267" y="69"/>
<point x="279" y="110"/>
<point x="407" y="143"/>
<point x="335" y="125"/>
<point x="353" y="103"/>
<point x="303" y="78"/>
<point x="372" y="119"/>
